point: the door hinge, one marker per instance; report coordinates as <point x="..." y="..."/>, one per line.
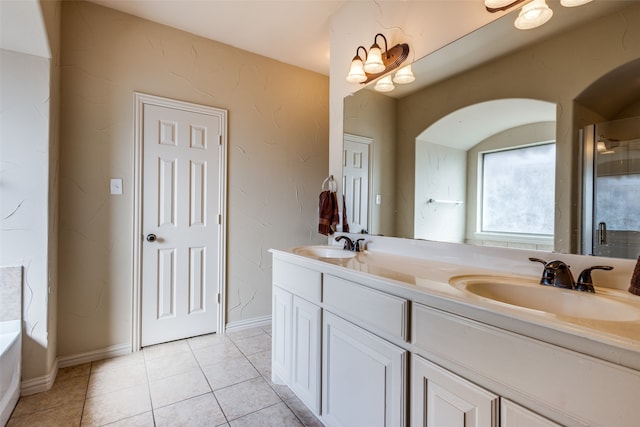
<point x="218" y="297"/>
<point x="219" y="139"/>
<point x="219" y="219"/>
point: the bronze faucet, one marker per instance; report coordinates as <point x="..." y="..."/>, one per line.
<point x="558" y="274"/>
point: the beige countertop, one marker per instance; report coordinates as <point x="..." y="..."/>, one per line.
<point x="427" y="282"/>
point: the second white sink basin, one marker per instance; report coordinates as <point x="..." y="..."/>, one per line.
<point x="335" y="252"/>
<point x="561" y="302"/>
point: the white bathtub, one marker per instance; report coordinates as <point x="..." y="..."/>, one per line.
<point x="10" y="359"/>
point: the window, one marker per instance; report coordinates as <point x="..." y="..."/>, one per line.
<point x="518" y="190"/>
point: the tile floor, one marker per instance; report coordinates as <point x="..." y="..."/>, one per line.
<point x="212" y="380"/>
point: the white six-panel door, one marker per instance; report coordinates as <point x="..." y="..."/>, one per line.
<point x="181" y="223"/>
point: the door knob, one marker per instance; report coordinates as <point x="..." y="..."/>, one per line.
<point x="151" y="237"/>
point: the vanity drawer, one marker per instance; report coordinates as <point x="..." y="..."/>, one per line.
<point x="385" y="313"/>
<point x="298" y="280"/>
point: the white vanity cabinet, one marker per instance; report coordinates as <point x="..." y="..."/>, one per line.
<point x="514" y="415"/>
<point x="296" y="332"/>
<point x="343" y="342"/>
<point x="441" y="398"/>
<point x="364" y="377"/>
<point x="305" y="352"/>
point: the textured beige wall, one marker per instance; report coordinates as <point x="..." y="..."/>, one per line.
<point x="556" y="71"/>
<point x="278" y="157"/>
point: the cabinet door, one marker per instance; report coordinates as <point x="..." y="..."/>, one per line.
<point x="281" y="335"/>
<point x="363" y="378"/>
<point x="440" y="398"/>
<point x="514" y="415"/>
<point x="305" y="372"/>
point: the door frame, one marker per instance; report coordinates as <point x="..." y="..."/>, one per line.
<point x="139" y="101"/>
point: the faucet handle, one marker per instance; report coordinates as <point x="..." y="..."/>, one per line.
<point x="548" y="274"/>
<point x="357" y="246"/>
<point x="585" y="283"/>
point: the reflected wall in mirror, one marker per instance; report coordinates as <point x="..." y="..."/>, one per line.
<point x="587" y="73"/>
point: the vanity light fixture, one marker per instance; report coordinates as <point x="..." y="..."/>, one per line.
<point x="376" y="62"/>
<point x="533" y="13"/>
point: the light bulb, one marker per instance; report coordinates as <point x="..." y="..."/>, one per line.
<point x="533" y="15"/>
<point x="404" y="75"/>
<point x="384" y="84"/>
<point x="356" y="72"/>
<point x="374" y="64"/>
<point x="573" y="3"/>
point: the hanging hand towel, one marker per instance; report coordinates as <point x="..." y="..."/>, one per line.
<point x="328" y="211"/>
<point x="345" y="223"/>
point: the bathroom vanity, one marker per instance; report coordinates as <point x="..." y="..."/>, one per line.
<point x="379" y="339"/>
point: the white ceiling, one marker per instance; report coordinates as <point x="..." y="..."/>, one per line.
<point x="295" y="32"/>
<point x="22" y="28"/>
<point x="468" y="126"/>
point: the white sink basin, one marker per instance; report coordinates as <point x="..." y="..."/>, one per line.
<point x="335" y="252"/>
<point x="528" y="294"/>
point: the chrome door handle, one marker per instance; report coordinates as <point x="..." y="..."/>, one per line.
<point x="151" y="237"/>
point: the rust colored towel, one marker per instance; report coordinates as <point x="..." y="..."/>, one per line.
<point x="328" y="213"/>
<point x="635" y="280"/>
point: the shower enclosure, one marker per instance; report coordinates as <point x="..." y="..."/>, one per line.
<point x="611" y="193"/>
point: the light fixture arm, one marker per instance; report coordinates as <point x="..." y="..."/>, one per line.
<point x="358" y="53"/>
<point x="375" y="43"/>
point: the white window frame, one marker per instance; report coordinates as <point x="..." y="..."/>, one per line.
<point x="519" y="238"/>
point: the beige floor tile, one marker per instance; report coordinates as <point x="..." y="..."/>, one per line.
<point x="142" y="420"/>
<point x="166" y="349"/>
<point x="229" y="372"/>
<point x="82" y="370"/>
<point x="245" y="398"/>
<point x="303" y="413"/>
<point x="255" y="344"/>
<point x="116" y="378"/>
<point x="274" y="416"/>
<point x="63" y="392"/>
<point x="66" y="415"/>
<point x="130" y="361"/>
<point x="207" y="340"/>
<point x="178" y="387"/>
<point x="215" y="354"/>
<point x="262" y="362"/>
<point x="200" y="411"/>
<point x="245" y="333"/>
<point x="171" y="365"/>
<point x="116" y="406"/>
<point x="267" y="329"/>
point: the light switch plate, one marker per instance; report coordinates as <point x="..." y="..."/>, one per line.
<point x="116" y="186"/>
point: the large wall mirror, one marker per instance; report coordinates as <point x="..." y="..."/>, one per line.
<point x="487" y="145"/>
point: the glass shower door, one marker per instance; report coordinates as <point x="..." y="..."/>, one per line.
<point x="616" y="189"/>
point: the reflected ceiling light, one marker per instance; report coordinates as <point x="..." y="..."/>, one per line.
<point x="376" y="62"/>
<point x="533" y="15"/>
<point x="404" y="75"/>
<point x="573" y="3"/>
<point x="384" y="84"/>
<point x="499" y="5"/>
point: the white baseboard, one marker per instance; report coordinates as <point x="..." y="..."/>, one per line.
<point x="91" y="356"/>
<point x="39" y="384"/>
<point x="248" y="323"/>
